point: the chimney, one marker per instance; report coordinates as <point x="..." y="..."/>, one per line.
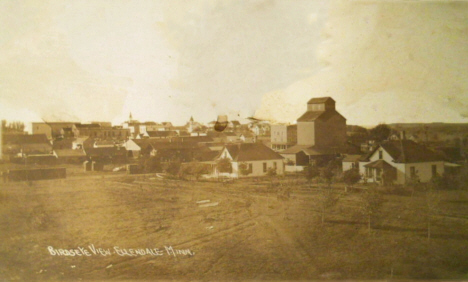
<point x="403" y="135"/>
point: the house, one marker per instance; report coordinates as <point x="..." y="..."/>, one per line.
<point x="114" y="154"/>
<point x="70" y="156"/>
<point x="133" y="149"/>
<point x="398" y="161"/>
<point x="321" y="134"/>
<point x="255" y="157"/>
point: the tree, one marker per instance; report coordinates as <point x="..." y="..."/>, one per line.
<point x="195" y="169"/>
<point x="271" y="172"/>
<point x="224" y="165"/>
<point x="327" y="174"/>
<point x="432" y="200"/>
<point x="173" y="168"/>
<point x="14" y="126"/>
<point x="326" y="200"/>
<point x="244" y="169"/>
<point x="461" y="178"/>
<point x="151" y="164"/>
<point x="380" y="133"/>
<point x="311" y="172"/>
<point x="351" y="176"/>
<point x="371" y="203"/>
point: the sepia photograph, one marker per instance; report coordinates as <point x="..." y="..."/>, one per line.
<point x="233" y="140"/>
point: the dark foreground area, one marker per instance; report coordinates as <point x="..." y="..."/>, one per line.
<point x="146" y="228"/>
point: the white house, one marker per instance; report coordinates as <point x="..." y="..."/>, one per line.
<point x="132" y="148"/>
<point x="398" y="161"/>
<point x="256" y="157"/>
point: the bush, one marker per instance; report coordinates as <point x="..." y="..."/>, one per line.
<point x="173" y="168"/>
<point x="151" y="165"/>
<point x="311" y="172"/>
<point x="351" y="176"/>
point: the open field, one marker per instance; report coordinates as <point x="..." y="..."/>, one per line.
<point x="244" y="231"/>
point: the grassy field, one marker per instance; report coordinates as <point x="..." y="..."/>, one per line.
<point x="239" y="230"/>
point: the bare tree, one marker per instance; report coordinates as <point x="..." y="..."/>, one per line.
<point x="327" y="199"/>
<point x="311" y="172"/>
<point x="371" y="204"/>
<point x="431" y="204"/>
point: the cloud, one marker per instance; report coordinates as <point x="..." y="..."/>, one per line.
<point x="395" y="54"/>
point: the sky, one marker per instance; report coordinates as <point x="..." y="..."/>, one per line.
<point x="386" y="61"/>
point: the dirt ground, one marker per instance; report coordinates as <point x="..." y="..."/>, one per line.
<point x="220" y="231"/>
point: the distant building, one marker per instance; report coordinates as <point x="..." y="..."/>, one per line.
<point x="283" y="136"/>
<point x="321" y="134"/>
<point x="51" y="129"/>
<point x="321" y="125"/>
<point x="161" y="134"/>
<point x="247" y="137"/>
<point x="102" y="132"/>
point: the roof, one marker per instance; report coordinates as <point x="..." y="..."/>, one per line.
<point x="105" y="151"/>
<point x="252" y="152"/>
<point x="309" y="150"/>
<point x="316" y="115"/>
<point x="61" y="143"/>
<point x="193" y="139"/>
<point x="104" y="143"/>
<point x="247" y="134"/>
<point x="89" y="125"/>
<point x="318" y="151"/>
<point x="379" y="164"/>
<point x="295" y="149"/>
<point x="161" y="133"/>
<point x="407" y="151"/>
<point x="25" y="139"/>
<point x="352" y="158"/>
<point x="70" y="153"/>
<point x="320" y="100"/>
<point x="208" y="156"/>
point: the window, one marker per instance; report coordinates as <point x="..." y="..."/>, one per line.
<point x="264" y="167"/>
<point x="250" y="168"/>
<point x="412" y="172"/>
<point x="275" y="166"/>
<point x="434" y="170"/>
<point x="380" y="155"/>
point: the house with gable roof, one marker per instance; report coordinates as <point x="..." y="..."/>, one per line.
<point x="399" y="161"/>
<point x="257" y="157"/>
